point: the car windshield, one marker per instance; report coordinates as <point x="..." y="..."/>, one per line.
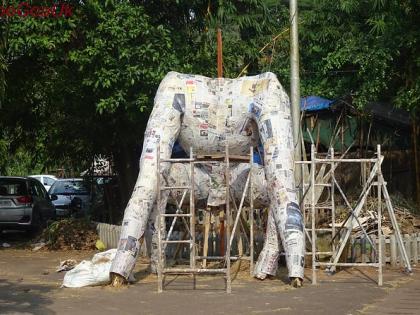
<point x="70" y="187"/>
<point x="12" y="187"/>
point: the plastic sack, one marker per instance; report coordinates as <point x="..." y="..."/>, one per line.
<point x="91" y="273"/>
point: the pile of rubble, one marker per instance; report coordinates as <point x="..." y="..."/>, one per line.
<point x="69" y="234"/>
<point x="408" y="219"/>
<point x="406" y="214"/>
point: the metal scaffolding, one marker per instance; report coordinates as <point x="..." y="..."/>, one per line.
<point x="341" y="233"/>
<point x="191" y="216"/>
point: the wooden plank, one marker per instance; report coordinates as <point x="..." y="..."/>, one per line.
<point x="222" y="157"/>
<point x="415" y="247"/>
<point x="363" y="249"/>
<point x="393" y="250"/>
<point x="372" y="256"/>
<point x="383" y="251"/>
<point x="407" y="245"/>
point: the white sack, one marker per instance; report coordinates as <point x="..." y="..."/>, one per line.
<point x="91" y="273"/>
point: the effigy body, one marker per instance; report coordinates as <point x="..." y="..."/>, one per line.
<point x="205" y="114"/>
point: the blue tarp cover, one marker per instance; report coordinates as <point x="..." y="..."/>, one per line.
<point x="314" y="103"/>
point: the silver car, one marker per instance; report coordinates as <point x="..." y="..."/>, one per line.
<point x="24" y="204"/>
<point x="72" y="196"/>
<point x="46" y="180"/>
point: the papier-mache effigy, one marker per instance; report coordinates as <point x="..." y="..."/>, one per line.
<point x="207" y="114"/>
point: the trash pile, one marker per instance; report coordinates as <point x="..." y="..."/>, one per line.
<point x="405" y="213"/>
<point x="408" y="216"/>
<point x="69" y="234"/>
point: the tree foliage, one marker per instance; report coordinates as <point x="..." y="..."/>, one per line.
<point x="367" y="49"/>
<point x="82" y="85"/>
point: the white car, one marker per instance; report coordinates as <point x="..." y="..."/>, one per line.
<point x="46" y="180"/>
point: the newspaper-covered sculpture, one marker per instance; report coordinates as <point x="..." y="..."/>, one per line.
<point x="206" y="113"/>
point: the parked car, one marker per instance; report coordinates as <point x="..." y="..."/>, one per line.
<point x="73" y="196"/>
<point x="24" y="204"/>
<point x="46" y="180"/>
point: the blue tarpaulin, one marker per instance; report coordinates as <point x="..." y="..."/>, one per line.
<point x="314" y="103"/>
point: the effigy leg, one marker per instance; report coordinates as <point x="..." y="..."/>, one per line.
<point x="162" y="128"/>
<point x="267" y="262"/>
<point x="271" y="112"/>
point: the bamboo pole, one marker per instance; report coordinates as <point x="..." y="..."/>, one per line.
<point x="160" y="220"/>
<point x="228" y="219"/>
<point x="206" y="237"/>
<point x="332" y="199"/>
<point x="251" y="214"/>
<point x="313" y="232"/>
<point x="219" y="54"/>
<point x="391" y="213"/>
<point x="192" y="218"/>
<point x="238" y="214"/>
<point x="380" y="243"/>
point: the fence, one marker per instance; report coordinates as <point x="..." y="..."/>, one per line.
<point x="109" y="234"/>
<point x="361" y="251"/>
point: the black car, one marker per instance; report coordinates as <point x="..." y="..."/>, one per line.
<point x="24" y="204"/>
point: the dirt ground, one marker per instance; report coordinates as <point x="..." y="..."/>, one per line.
<point x="30" y="285"/>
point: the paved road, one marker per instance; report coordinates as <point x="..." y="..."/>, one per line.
<point x="30" y="285"/>
<point x="401" y="300"/>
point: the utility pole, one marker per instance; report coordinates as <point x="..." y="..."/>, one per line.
<point x="294" y="86"/>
